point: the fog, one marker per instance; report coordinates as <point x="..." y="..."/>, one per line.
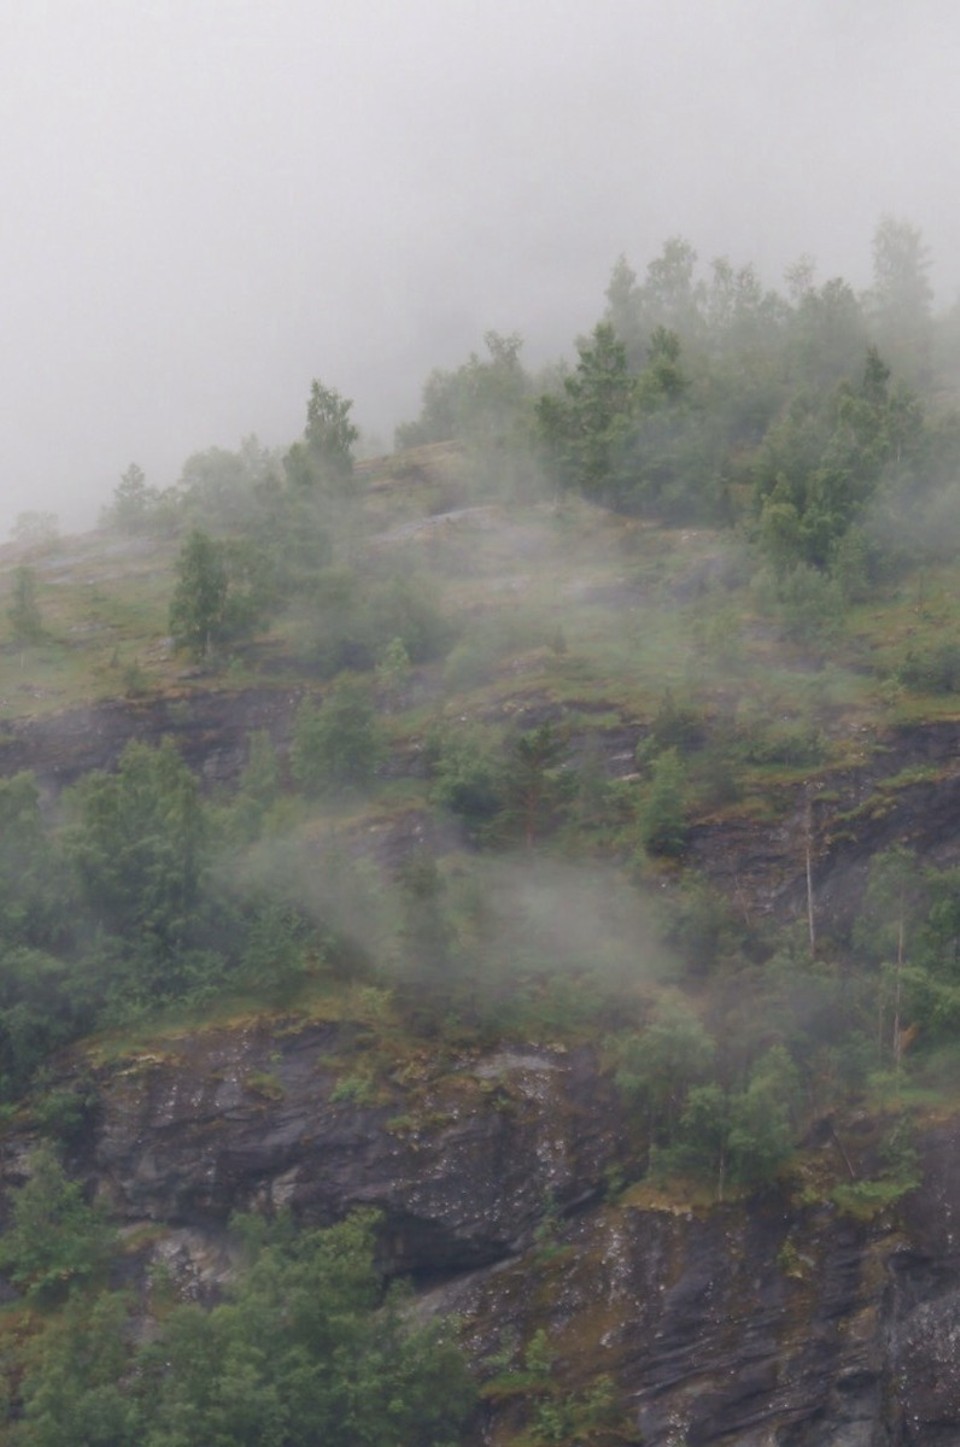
<point x="205" y="206"/>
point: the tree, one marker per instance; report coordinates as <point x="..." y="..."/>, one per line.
<point x="338" y="745"/>
<point x="36" y="529"/>
<point x="426" y="934"/>
<point x="827" y="334"/>
<point x="901" y="296"/>
<point x="325" y="456"/>
<point x="622" y="311"/>
<point x="586" y="427"/>
<point x="669" y="294"/>
<point x="468" y="774"/>
<point x="532" y="784"/>
<point x="663" y="823"/>
<point x="258" y="789"/>
<point x="894" y="889"/>
<point x="73" y="1392"/>
<point x="32" y="889"/>
<point x="223" y="489"/>
<point x="744" y="1134"/>
<point x="762" y="1118"/>
<point x="306" y="1347"/>
<point x="480" y="402"/>
<point x="137" y="847"/>
<point x="225" y="589"/>
<point x="24" y="613"/>
<point x="55" y="1240"/>
<point x="660" y="1067"/>
<point x="823" y="464"/>
<point x="199" y="603"/>
<point x="134" y="502"/>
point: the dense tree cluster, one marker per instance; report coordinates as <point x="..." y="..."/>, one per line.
<point x="307" y="1347"/>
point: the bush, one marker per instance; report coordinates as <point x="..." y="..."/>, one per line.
<point x="807" y="604"/>
<point x="935" y="671"/>
<point x="663" y="823"/>
<point x="337" y="746"/>
<point x="468" y="774"/>
<point x="55" y="1241"/>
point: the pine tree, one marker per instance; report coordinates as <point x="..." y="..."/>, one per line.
<point x="198" y="607"/>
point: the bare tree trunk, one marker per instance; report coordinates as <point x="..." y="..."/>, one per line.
<point x="811" y="917"/>
<point x="897" y="1041"/>
<point x="843" y="1155"/>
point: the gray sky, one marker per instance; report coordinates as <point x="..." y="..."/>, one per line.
<point x="209" y="202"/>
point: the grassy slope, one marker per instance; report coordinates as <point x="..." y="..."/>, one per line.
<point x="565" y="606"/>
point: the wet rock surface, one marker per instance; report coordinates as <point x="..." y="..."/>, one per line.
<point x="211" y="730"/>
<point x="763" y="1322"/>
<point x="462" y="1163"/>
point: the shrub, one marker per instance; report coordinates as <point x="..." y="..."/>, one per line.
<point x="337" y="746"/>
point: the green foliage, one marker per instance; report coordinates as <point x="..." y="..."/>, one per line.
<point x="39" y="1011"/>
<point x="199" y="604"/>
<point x="934" y="670"/>
<point x="324" y="459"/>
<point x="467" y="773"/>
<point x="136" y="507"/>
<point x="897" y="1172"/>
<point x="743" y="1136"/>
<point x="338" y="745"/>
<point x="278" y="952"/>
<point x="224" y="490"/>
<point x="480" y="403"/>
<point x="663" y="820"/>
<point x="426" y="933"/>
<point x="657" y="1068"/>
<point x="901" y="295"/>
<point x="137" y="846"/>
<point x="307" y="1348"/>
<point x="792" y="744"/>
<point x="222" y="593"/>
<point x="295" y="534"/>
<point x="25" y="618"/>
<point x="359" y="614"/>
<point x="55" y="1240"/>
<point x="826" y="460"/>
<point x="827" y="334"/>
<point x="676" y="725"/>
<point x="32" y="886"/>
<point x="476" y="658"/>
<point x="74" y="1392"/>
<point x="593" y="1416"/>
<point x="585" y="428"/>
<point x="257" y="791"/>
<point x="806" y="603"/>
<point x="763" y="1118"/>
<point x="892" y="902"/>
<point x="394" y="671"/>
<point x="534" y="785"/>
<point x="702" y="925"/>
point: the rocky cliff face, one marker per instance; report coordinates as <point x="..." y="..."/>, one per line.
<point x="768" y="1322"/>
<point x="856" y="810"/>
<point x="758" y="1322"/>
<point x="210" y="729"/>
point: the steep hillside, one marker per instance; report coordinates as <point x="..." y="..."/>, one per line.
<point x="525" y="870"/>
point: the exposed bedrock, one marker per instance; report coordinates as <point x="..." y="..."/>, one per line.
<point x="766" y="1322"/>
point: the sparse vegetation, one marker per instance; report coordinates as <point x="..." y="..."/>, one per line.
<point x="508" y="737"/>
